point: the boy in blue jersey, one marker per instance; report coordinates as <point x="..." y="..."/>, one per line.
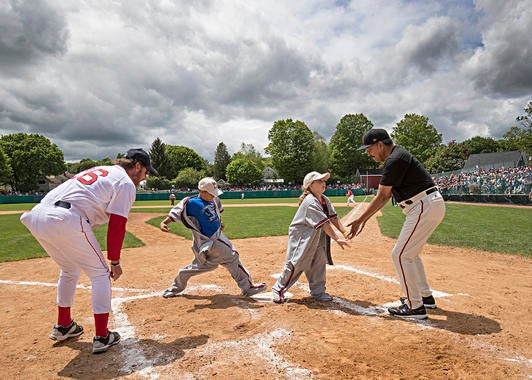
<point x="201" y="214"/>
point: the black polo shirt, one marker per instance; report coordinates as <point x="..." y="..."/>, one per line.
<point x="405" y="174"/>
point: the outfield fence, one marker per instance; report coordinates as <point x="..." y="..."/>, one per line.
<point x="517" y="199"/>
<point x="163" y="195"/>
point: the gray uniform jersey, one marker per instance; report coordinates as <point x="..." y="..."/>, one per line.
<point x="307" y="246"/>
<point x="305" y="236"/>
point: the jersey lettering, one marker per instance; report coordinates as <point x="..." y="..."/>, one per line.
<point x="91" y="176"/>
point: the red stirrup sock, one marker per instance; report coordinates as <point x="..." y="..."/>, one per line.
<point x="100" y="322"/>
<point x="63" y="316"/>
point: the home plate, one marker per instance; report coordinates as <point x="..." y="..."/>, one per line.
<point x="268" y="296"/>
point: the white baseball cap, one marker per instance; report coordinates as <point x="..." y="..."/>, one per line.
<point x="209" y="185"/>
<point x="314" y="176"/>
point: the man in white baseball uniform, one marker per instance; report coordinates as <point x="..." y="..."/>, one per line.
<point x="405" y="178"/>
<point x="62" y="223"/>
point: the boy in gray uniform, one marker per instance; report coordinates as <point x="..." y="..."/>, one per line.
<point x="309" y="237"/>
<point x="201" y="214"/>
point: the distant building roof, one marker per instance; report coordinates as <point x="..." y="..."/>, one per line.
<point x="269" y="173"/>
<point x="495" y="160"/>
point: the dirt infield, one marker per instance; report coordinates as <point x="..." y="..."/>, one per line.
<point x="481" y="329"/>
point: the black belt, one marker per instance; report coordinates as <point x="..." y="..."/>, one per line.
<point x="63" y="204"/>
<point x="427" y="192"/>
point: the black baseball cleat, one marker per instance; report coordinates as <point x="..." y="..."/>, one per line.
<point x="102" y="343"/>
<point x="61" y="333"/>
<point x="428" y="302"/>
<point x="404" y="311"/>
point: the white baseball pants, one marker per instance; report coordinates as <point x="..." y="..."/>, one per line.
<point x="422" y="218"/>
<point x="68" y="239"/>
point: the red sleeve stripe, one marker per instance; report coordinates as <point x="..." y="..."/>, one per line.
<point x="321" y="223"/>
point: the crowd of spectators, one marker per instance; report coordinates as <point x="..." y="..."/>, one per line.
<point x="261" y="187"/>
<point x="502" y="180"/>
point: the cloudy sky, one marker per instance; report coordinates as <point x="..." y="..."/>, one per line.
<point x="97" y="77"/>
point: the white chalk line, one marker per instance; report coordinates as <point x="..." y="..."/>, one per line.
<point x="435" y="293"/>
<point x="79" y="286"/>
<point x="261" y="345"/>
<point x="382" y="310"/>
<point x="132" y="353"/>
<point x="134" y="359"/>
<point x="129" y="332"/>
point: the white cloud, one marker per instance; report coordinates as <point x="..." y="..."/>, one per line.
<point x="99" y="77"/>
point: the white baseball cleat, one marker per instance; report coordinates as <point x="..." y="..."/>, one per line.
<point x="255" y="289"/>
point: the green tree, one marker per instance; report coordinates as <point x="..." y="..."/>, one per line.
<point x="105" y="162"/>
<point x="6" y="173"/>
<point x="221" y="160"/>
<point x="345" y="158"/>
<point x="415" y="134"/>
<point x="189" y="177"/>
<point x="447" y="158"/>
<point x="291" y="148"/>
<point x="160" y="183"/>
<point x="87" y="163"/>
<point x="248" y="152"/>
<point x="478" y="144"/>
<point x="32" y="157"/>
<point x="158" y="157"/>
<point x="320" y="158"/>
<point x="526" y="120"/>
<point x="243" y="172"/>
<point x="180" y="157"/>
<point x="520" y="138"/>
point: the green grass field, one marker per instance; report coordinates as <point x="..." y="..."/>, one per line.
<point x="495" y="229"/>
<point x="18" y="244"/>
<point x="249" y="222"/>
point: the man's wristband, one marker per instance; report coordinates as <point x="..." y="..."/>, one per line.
<point x="115" y="264"/>
<point x="346" y="233"/>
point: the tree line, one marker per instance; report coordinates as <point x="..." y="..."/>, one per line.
<point x="293" y="150"/>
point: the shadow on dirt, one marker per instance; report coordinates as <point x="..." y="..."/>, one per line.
<point x="129" y="356"/>
<point x="223" y="301"/>
<point x="461" y="323"/>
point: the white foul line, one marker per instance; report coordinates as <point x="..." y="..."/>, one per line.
<point x="133" y="354"/>
<point x="79" y="286"/>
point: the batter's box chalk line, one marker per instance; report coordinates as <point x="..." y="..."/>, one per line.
<point x="261" y="346"/>
<point x="133" y="356"/>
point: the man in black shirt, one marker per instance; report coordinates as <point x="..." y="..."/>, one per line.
<point x="405" y="178"/>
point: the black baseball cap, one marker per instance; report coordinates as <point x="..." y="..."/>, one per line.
<point x="141" y="156"/>
<point x="373" y="136"/>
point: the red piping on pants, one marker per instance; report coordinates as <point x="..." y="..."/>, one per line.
<point x="281" y="291"/>
<point x="104" y="263"/>
<point x="401" y="254"/>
